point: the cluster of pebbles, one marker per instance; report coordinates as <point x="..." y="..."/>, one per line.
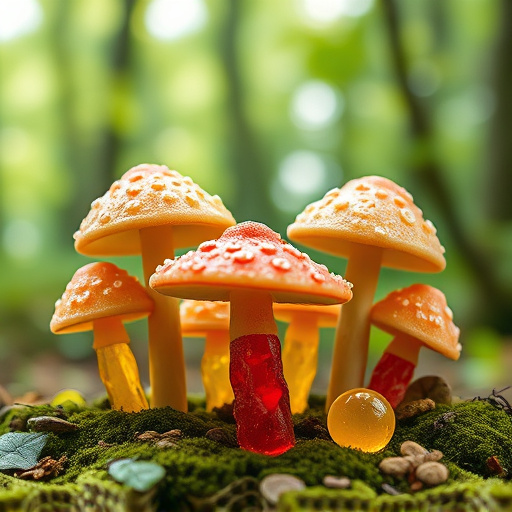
<point x="421" y="467"/>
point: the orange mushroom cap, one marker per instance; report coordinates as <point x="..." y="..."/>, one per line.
<point x="372" y="211"/>
<point x="99" y="290"/>
<point x="421" y="312"/>
<point x="198" y="317"/>
<point x="326" y="316"/>
<point x="250" y="256"/>
<point x="145" y="196"/>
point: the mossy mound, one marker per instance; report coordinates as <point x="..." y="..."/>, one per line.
<point x="199" y="470"/>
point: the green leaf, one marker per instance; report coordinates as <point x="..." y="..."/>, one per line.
<point x="138" y="475"/>
<point x="19" y="450"/>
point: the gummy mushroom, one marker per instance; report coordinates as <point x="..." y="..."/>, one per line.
<point x="99" y="298"/>
<point x="417" y="316"/>
<point x="373" y="222"/>
<point x="251" y="266"/>
<point x="210" y="320"/>
<point x="152" y="211"/>
<point x="300" y="348"/>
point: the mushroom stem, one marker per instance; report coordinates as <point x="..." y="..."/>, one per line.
<point x="251" y="313"/>
<point x="395" y="369"/>
<point x="215" y="369"/>
<point x="300" y="358"/>
<point x="262" y="402"/>
<point x="166" y="360"/>
<point x="353" y="331"/>
<point x="117" y="366"/>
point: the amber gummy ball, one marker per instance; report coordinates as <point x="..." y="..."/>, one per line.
<point x="361" y="419"/>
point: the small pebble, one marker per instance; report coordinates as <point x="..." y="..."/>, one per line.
<point x="406" y="410"/>
<point x="51" y="424"/>
<point x="395" y="466"/>
<point x="337" y="482"/>
<point x="390" y="490"/>
<point x="412" y="448"/>
<point x="272" y="486"/>
<point x="432" y="473"/>
<point x="222" y="436"/>
<point x="430" y="386"/>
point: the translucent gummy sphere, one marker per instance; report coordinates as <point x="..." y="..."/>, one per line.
<point x="362" y="419"/>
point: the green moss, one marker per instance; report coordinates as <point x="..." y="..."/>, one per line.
<point x="489" y="495"/>
<point x="199" y="467"/>
<point x="468" y="437"/>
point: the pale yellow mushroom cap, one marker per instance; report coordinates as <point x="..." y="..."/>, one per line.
<point x="371" y="211"/>
<point x="325" y="316"/>
<point x="99" y="290"/>
<point x="197" y="317"/>
<point x="421" y="312"/>
<point x="148" y="196"/>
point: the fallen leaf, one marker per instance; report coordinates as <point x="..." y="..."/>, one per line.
<point x="20" y="450"/>
<point x="139" y="475"/>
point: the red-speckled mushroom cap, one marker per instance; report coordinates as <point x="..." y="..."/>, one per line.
<point x="421" y="312"/>
<point x="371" y="211"/>
<point x="99" y="290"/>
<point x="253" y="257"/>
<point x="146" y="196"/>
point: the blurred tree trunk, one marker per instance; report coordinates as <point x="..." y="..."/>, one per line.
<point x="248" y="171"/>
<point x="499" y="175"/>
<point x="90" y="161"/>
<point x="494" y="303"/>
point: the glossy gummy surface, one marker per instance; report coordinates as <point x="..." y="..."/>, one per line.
<point x="361" y="419"/>
<point x="262" y="404"/>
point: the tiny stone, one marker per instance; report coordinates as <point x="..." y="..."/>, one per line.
<point x="430" y="386"/>
<point x="337" y="482"/>
<point x="433" y="456"/>
<point x="272" y="486"/>
<point x="390" y="490"/>
<point x="412" y="409"/>
<point x="432" y="473"/>
<point x="222" y="436"/>
<point x="412" y="448"/>
<point x="416" y="486"/>
<point x="51" y="424"/>
<point x="395" y="466"/>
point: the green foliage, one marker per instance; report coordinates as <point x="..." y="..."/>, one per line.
<point x="19" y="450"/>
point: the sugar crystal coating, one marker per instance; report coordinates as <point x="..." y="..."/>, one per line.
<point x="250" y="255"/>
<point x="420" y="311"/>
<point x="99" y="290"/>
<point x="147" y="196"/>
<point x="372" y="211"/>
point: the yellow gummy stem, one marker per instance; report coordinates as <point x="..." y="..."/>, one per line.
<point x="300" y="359"/>
<point x="215" y="370"/>
<point x="117" y="366"/>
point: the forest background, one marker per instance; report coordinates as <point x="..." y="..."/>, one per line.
<point x="269" y="105"/>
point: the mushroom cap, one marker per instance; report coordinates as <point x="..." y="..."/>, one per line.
<point x="326" y="316"/>
<point x="197" y="317"/>
<point x="147" y="196"/>
<point x="373" y="211"/>
<point x="250" y="256"/>
<point x="99" y="290"/>
<point x="421" y="312"/>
